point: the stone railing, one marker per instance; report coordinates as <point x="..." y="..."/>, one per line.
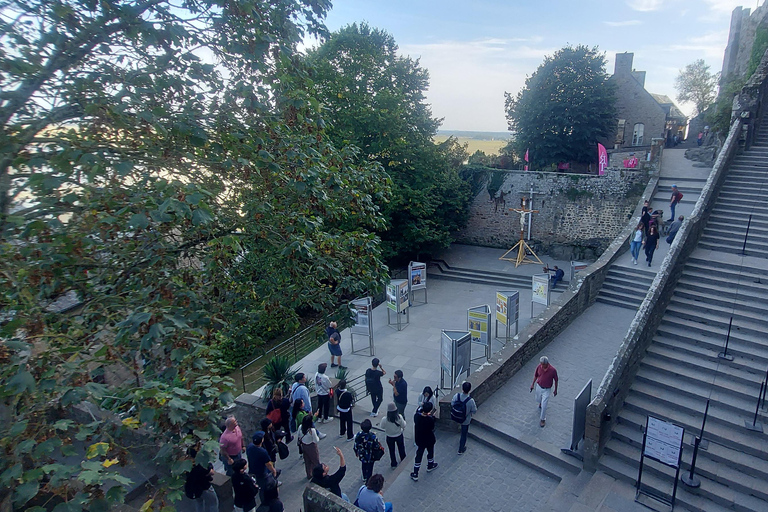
<point x="538" y="334"/>
<point x="317" y="499"/>
<point x="609" y="398"/>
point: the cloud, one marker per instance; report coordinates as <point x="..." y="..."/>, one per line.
<point x="708" y="45"/>
<point x="725" y="5"/>
<point x="646" y="5"/>
<point x="623" y="23"/>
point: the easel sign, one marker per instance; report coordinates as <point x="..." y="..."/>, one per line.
<point x="662" y="442"/>
<point x="539" y="290"/>
<point x="507" y="313"/>
<point x="417" y="280"/>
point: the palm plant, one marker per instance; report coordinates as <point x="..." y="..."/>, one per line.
<point x="278" y="373"/>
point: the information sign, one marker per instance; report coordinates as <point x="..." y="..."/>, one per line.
<point x="664" y="441"/>
<point x="540" y="289"/>
<point x="501" y="307"/>
<point x="417" y="274"/>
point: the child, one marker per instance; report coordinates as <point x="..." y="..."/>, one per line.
<point x="365" y="441"/>
<point x="424" y="432"/>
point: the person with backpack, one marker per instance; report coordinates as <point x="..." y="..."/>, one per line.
<point x="677" y="196"/>
<point x="373" y="385"/>
<point x="278" y="411"/>
<point x="244" y="487"/>
<point x="463" y="407"/>
<point x="299" y="391"/>
<point x="424" y="432"/>
<point x="393" y="425"/>
<point x="367" y="448"/>
<point x="369" y="496"/>
<point x="198" y="486"/>
<point x="344" y="406"/>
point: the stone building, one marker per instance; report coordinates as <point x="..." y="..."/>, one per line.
<point x="642" y="116"/>
<point x="741" y="38"/>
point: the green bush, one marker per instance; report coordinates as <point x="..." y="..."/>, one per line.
<point x="278" y="372"/>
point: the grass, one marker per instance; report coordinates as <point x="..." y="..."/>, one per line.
<point x="489" y="147"/>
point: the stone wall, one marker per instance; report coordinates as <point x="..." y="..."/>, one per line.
<point x="609" y="398"/>
<point x="578" y="214"/>
<point x="539" y="333"/>
<point x="317" y="499"/>
<point x="741" y="38"/>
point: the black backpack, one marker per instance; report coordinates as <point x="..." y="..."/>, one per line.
<point x="459" y="409"/>
<point x="372" y="383"/>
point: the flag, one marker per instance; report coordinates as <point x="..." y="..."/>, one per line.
<point x="602" y="157"/>
<point x="526" y="159"/>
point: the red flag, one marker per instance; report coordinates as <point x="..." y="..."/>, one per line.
<point x="602" y="157"/>
<point x="526" y="158"/>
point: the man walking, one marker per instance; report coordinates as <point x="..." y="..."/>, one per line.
<point x="677" y="196"/>
<point x="543" y="379"/>
<point x="424" y="434"/>
<point x="399" y="391"/>
<point x="462" y="408"/>
<point x="323" y="388"/>
<point x="231" y="446"/>
<point x="373" y="385"/>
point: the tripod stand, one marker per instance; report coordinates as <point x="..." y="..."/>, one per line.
<point x="522" y="246"/>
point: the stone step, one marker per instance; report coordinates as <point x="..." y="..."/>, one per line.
<point x="732" y="240"/>
<point x="635" y="273"/>
<point x="714" y="314"/>
<point x="703" y="283"/>
<point x="735" y="213"/>
<point x="620" y="297"/>
<point x="490" y="281"/>
<point x="721" y="268"/>
<point x="741" y="199"/>
<point x="621" y="303"/>
<point x="740" y="229"/>
<point x="708" y="352"/>
<point x="626" y="472"/>
<point x="747" y="342"/>
<point x="739" y="191"/>
<point x="626" y="288"/>
<point x="717" y="486"/>
<point x="744" y="302"/>
<point x="667" y="181"/>
<point x="731" y="236"/>
<point x="754" y="250"/>
<point x="542" y="457"/>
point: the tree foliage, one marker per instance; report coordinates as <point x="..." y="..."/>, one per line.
<point x="375" y="100"/>
<point x="695" y="84"/>
<point x="164" y="171"/>
<point x="564" y="108"/>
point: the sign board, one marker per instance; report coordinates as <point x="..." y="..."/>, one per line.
<point x="576" y="266"/>
<point x="540" y="289"/>
<point x="455" y="354"/>
<point x="478" y="323"/>
<point x="580" y="404"/>
<point x="397" y="295"/>
<point x="417" y="275"/>
<point x="507" y="312"/>
<point x="501" y="307"/>
<point x="663" y="441"/>
<point x="360" y="310"/>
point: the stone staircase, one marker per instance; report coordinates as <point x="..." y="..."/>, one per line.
<point x="690" y="187"/>
<point x="625" y="287"/>
<point x="439" y="269"/>
<point x="681" y="368"/>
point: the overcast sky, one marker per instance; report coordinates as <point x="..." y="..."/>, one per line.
<point x="477" y="49"/>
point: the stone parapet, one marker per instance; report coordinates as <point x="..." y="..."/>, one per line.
<point x="317" y="499"/>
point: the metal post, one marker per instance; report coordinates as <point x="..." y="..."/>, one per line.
<point x="755" y="426"/>
<point x="691" y="480"/>
<point x="724" y="354"/>
<point x="242" y="379"/>
<point x="744" y="247"/>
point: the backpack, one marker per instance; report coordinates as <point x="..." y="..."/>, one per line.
<point x="459" y="409"/>
<point x="275" y="416"/>
<point x="371" y="382"/>
<point x="679" y="196"/>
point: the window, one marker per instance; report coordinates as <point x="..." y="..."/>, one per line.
<point x="637" y="134"/>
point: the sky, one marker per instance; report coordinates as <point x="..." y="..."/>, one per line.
<point x="475" y="50"/>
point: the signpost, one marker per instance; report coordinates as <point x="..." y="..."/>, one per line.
<point x="577" y="266"/>
<point x="417" y="280"/>
<point x="362" y="322"/>
<point x="507" y="313"/>
<point x="662" y="442"/>
<point x="397" y="301"/>
<point x="455" y="354"/>
<point x="579" y="428"/>
<point x="479" y="326"/>
<point x="540" y="290"/>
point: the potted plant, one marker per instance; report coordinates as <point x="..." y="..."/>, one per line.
<point x="278" y="372"/>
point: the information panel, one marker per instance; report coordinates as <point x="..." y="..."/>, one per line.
<point x="501" y="307"/>
<point x="663" y="441"/>
<point x="397" y="295"/>
<point x="455" y="355"/>
<point x="360" y="310"/>
<point x="540" y="289"/>
<point x="417" y="274"/>
<point x="507" y="313"/>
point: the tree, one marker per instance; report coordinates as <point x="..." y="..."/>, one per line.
<point x="375" y="100"/>
<point x="697" y="85"/>
<point x="564" y="108"/>
<point x="165" y="180"/>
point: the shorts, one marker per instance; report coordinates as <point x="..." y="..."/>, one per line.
<point x="334" y="349"/>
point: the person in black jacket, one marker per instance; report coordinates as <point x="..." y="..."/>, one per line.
<point x="424" y="433"/>
<point x="198" y="486"/>
<point x="282" y="404"/>
<point x="270" y="442"/>
<point x="344" y="406"/>
<point x="244" y="487"/>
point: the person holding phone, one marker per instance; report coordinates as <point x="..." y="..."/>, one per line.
<point x="373" y="385"/>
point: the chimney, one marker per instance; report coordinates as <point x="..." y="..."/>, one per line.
<point x="639" y="76"/>
<point x="623" y="63"/>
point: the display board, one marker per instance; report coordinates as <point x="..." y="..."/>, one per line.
<point x="664" y="441"/>
<point x="455" y="355"/>
<point x="540" y="289"/>
<point x="507" y="313"/>
<point x="577" y="266"/>
<point x="479" y="327"/>
<point x="361" y="311"/>
<point x="417" y="275"/>
<point x="397" y="295"/>
<point x="501" y="307"/>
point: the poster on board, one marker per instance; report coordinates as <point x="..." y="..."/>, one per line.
<point x="360" y="311"/>
<point x="501" y="307"/>
<point x="403" y="299"/>
<point x="663" y="441"/>
<point x="478" y="324"/>
<point x="540" y="289"/>
<point x="392" y="296"/>
<point x="417" y="275"/>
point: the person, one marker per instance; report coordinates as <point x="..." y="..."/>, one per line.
<point x="344" y="406"/>
<point x="198" y="486"/>
<point x="369" y="497"/>
<point x="674" y="228"/>
<point x="365" y="441"/>
<point x="646" y="207"/>
<point x="424" y="432"/>
<point x="308" y="438"/>
<point x="271" y="501"/>
<point x="636" y="242"/>
<point x="393" y="425"/>
<point x="651" y="244"/>
<point x="244" y="487"/>
<point x="323" y="389"/>
<point x="334" y="344"/>
<point x="470" y="407"/>
<point x="270" y="441"/>
<point x="260" y="464"/>
<point x="299" y="391"/>
<point x="399" y="391"/>
<point x="700" y="138"/>
<point x="426" y="396"/>
<point x="283" y="405"/>
<point x="321" y="477"/>
<point x="231" y="444"/>
<point x="677" y="196"/>
<point x="557" y="277"/>
<point x="544" y="378"/>
<point x="645" y="220"/>
<point x="373" y="385"/>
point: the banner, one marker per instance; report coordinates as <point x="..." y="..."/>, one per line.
<point x="602" y="158"/>
<point x="417" y="275"/>
<point x="526" y="159"/>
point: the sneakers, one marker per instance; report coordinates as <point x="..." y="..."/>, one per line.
<point x="393" y="466"/>
<point x="321" y="435"/>
<point x="342" y="435"/>
<point x="334" y="365"/>
<point x="415" y="477"/>
<point x="328" y="420"/>
<point x="350" y="439"/>
<point x="374" y="414"/>
<point x="461" y="452"/>
<point x="634" y="261"/>
<point x="649" y="263"/>
<point x="431" y="467"/>
<point x="542" y="423"/>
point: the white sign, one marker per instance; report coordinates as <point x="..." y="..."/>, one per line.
<point x="663" y="441"/>
<point x="417" y="275"/>
<point x="540" y="284"/>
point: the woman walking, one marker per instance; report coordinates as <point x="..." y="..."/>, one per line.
<point x="651" y="243"/>
<point x="393" y="425"/>
<point x="309" y="439"/>
<point x="365" y="441"/>
<point x="636" y="242"/>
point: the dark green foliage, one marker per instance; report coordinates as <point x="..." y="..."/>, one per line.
<point x="574" y="194"/>
<point x="719" y="114"/>
<point x="496" y="181"/>
<point x="565" y="107"/>
<point x="375" y="100"/>
<point x="278" y="373"/>
<point x="476" y="176"/>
